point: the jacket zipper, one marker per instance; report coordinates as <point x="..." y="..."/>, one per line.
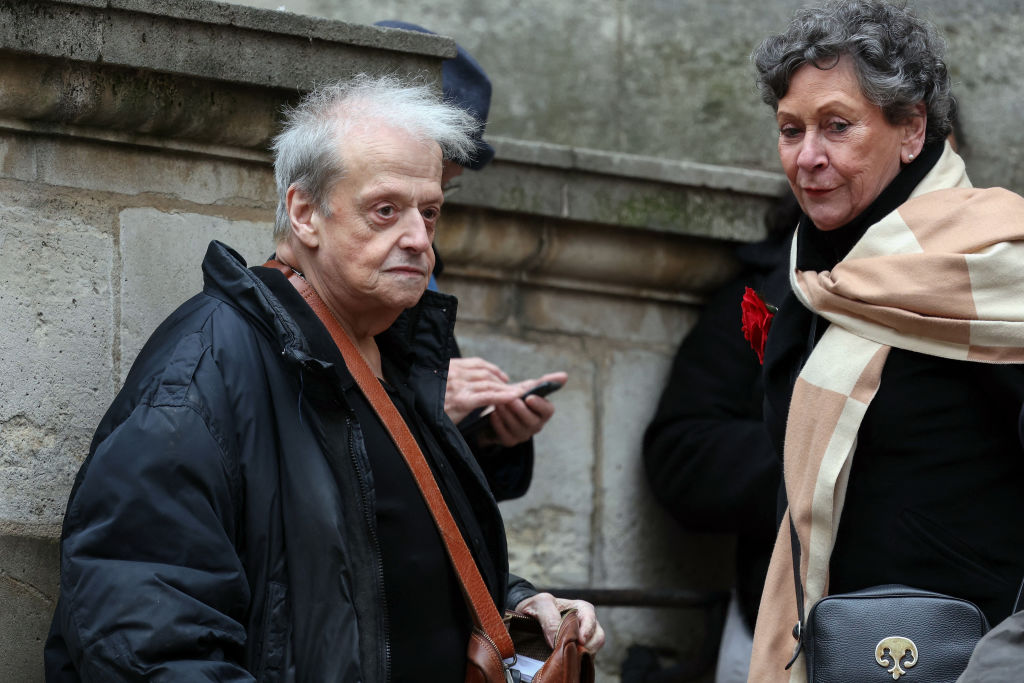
<point x="371" y="526"/>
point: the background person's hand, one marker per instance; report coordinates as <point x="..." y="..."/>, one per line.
<point x="517" y="420"/>
<point x="475" y="383"/>
<point x="547" y="609"/>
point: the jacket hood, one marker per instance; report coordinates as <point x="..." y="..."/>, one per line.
<point x="227" y="277"/>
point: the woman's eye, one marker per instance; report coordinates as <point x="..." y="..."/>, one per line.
<point x="838" y="126"/>
<point x="789" y="131"/>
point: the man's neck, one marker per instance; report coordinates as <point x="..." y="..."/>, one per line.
<point x="362" y="331"/>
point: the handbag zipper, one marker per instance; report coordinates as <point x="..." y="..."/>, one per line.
<point x="504" y="665"/>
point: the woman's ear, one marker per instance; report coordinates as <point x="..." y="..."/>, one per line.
<point x="302" y="214"/>
<point x="914" y="133"/>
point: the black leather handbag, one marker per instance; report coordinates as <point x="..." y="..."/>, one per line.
<point x="888" y="633"/>
<point x="885" y="633"/>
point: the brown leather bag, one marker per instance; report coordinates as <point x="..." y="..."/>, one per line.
<point x="568" y="662"/>
<point x="494" y="640"/>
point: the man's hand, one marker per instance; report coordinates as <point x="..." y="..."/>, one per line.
<point x="548" y="609"/>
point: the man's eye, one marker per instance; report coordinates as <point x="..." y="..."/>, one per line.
<point x="386" y="211"/>
<point x="431" y="214"/>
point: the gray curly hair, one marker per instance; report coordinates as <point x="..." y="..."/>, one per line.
<point x="308" y="150"/>
<point x="897" y="56"/>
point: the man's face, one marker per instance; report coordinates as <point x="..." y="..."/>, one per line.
<point x="375" y="253"/>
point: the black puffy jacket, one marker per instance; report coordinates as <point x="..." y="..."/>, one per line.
<point x="222" y="527"/>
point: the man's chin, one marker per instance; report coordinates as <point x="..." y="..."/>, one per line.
<point x="410" y="297"/>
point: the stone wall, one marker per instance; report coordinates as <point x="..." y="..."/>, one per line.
<point x="134" y="131"/>
<point x="673" y="79"/>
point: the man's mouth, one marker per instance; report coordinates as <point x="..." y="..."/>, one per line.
<point x="408" y="270"/>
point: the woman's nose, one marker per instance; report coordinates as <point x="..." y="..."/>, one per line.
<point x="812" y="151"/>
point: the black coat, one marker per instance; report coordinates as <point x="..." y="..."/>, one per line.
<point x="222" y="526"/>
<point x="509" y="469"/>
<point x="936" y="489"/>
<point x="707" y="454"/>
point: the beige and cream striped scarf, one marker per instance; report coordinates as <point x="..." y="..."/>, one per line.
<point x="942" y="275"/>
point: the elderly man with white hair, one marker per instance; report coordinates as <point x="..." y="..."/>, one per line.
<point x="243" y="513"/>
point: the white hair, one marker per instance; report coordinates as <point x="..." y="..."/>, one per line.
<point x="308" y="150"/>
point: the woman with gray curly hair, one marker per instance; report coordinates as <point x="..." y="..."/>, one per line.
<point x="893" y="384"/>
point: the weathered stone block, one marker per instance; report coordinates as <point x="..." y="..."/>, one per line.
<point x="56" y="265"/>
<point x="132" y="170"/>
<point x="485" y="240"/>
<point x="480" y="301"/>
<point x="592" y="315"/>
<point x="161" y="256"/>
<point x="641" y="546"/>
<point x="28" y="593"/>
<point x="641" y="543"/>
<point x="549" y="529"/>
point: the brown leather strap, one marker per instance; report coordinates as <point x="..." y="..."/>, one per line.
<point x="485" y="615"/>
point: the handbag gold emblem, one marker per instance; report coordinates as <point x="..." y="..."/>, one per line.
<point x="893" y="650"/>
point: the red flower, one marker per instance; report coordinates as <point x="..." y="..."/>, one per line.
<point x="757" y="319"/>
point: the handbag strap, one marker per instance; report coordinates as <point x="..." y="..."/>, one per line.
<point x="798" y="630"/>
<point x="485" y="614"/>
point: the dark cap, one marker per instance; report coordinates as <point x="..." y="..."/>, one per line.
<point x="465" y="85"/>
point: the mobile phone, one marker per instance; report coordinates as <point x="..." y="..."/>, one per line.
<point x="542" y="389"/>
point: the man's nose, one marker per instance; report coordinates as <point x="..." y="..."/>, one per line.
<point x="415" y="234"/>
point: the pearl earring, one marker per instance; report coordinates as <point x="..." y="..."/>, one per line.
<point x="910" y="157"/>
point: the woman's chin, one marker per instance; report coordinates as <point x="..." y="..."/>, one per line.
<point x="827" y="220"/>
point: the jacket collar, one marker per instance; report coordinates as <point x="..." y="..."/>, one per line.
<point x="423" y="334"/>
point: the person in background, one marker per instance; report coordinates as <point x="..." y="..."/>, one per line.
<point x="892" y="371"/>
<point x="707" y="455"/>
<point x="498" y="425"/>
<point x="243" y="514"/>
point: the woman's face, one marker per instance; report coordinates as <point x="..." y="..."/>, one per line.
<point x="836" y="147"/>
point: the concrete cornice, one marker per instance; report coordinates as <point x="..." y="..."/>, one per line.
<point x="183" y="72"/>
<point x="628" y="191"/>
<point x="688" y="173"/>
<point x="211" y="40"/>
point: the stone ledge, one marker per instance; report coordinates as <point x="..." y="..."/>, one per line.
<point x="199" y="71"/>
<point x="554" y="254"/>
<point x="211" y="40"/>
<point x="627" y="191"/>
<point x="689" y="173"/>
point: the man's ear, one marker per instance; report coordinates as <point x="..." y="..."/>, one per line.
<point x="302" y="214"/>
<point x="914" y="132"/>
